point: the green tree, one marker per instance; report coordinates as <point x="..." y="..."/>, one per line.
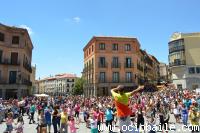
<point x="78" y="86"/>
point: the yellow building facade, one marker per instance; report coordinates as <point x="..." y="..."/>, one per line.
<point x="184" y="60"/>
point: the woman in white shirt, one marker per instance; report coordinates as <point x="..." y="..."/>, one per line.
<point x="93" y="125"/>
<point x="176" y="114"/>
<point x="42" y="127"/>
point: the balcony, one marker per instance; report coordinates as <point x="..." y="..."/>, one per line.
<point x="120" y="80"/>
<point x="130" y="80"/>
<point x="115" y="65"/>
<point x="8" y="62"/>
<point x="128" y="65"/>
<point x="116" y="80"/>
<point x="102" y="81"/>
<point x="89" y="68"/>
<point x="27" y="82"/>
<point x="139" y="67"/>
<point x="177" y="49"/>
<point x="103" y="65"/>
<point x="27" y="67"/>
<point x="177" y="63"/>
<point x="85" y="70"/>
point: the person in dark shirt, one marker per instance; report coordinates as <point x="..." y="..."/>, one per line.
<point x="140" y="119"/>
<point x="54" y="119"/>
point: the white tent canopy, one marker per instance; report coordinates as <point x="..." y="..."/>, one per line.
<point x="41" y="95"/>
<point x="197" y="90"/>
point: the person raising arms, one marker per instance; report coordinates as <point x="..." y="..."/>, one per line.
<point x="121" y="100"/>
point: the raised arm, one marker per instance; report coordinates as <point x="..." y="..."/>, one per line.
<point x="138" y="89"/>
<point x="114" y="90"/>
<point x="117" y="88"/>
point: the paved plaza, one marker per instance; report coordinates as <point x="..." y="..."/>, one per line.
<point x="31" y="128"/>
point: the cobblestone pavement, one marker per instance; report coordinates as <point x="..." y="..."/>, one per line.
<point x="31" y="128"/>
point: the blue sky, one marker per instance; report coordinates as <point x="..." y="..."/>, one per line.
<point x="61" y="28"/>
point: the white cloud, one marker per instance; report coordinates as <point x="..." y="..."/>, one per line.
<point x="74" y="19"/>
<point x="77" y="19"/>
<point x="30" y="31"/>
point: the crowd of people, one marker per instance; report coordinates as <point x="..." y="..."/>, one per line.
<point x="136" y="108"/>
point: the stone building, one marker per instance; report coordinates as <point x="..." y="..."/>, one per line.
<point x="58" y="85"/>
<point x="110" y="61"/>
<point x="15" y="62"/>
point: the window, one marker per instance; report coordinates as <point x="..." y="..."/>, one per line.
<point x="179" y="86"/>
<point x="127" y="47"/>
<point x="92" y="78"/>
<point x="102" y="46"/>
<point x="191" y="70"/>
<point x="104" y="91"/>
<point x="115" y="63"/>
<point x="89" y="77"/>
<point x="175" y="46"/>
<point x="89" y="63"/>
<point x="102" y="77"/>
<point x="197" y="69"/>
<point x="12" y="77"/>
<point x="1" y="55"/>
<point x="195" y="86"/>
<point x="72" y="85"/>
<point x="115" y="77"/>
<point x="128" y="63"/>
<point x="102" y="62"/>
<point x="14" y="58"/>
<point x="1" y="37"/>
<point x="68" y="80"/>
<point x="67" y="85"/>
<point x="0" y="75"/>
<point x="25" y="43"/>
<point x="92" y="48"/>
<point x="128" y="77"/>
<point x="89" y="51"/>
<point x="115" y="47"/>
<point x="92" y="61"/>
<point x="15" y="40"/>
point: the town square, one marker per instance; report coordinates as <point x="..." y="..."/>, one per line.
<point x="100" y="66"/>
